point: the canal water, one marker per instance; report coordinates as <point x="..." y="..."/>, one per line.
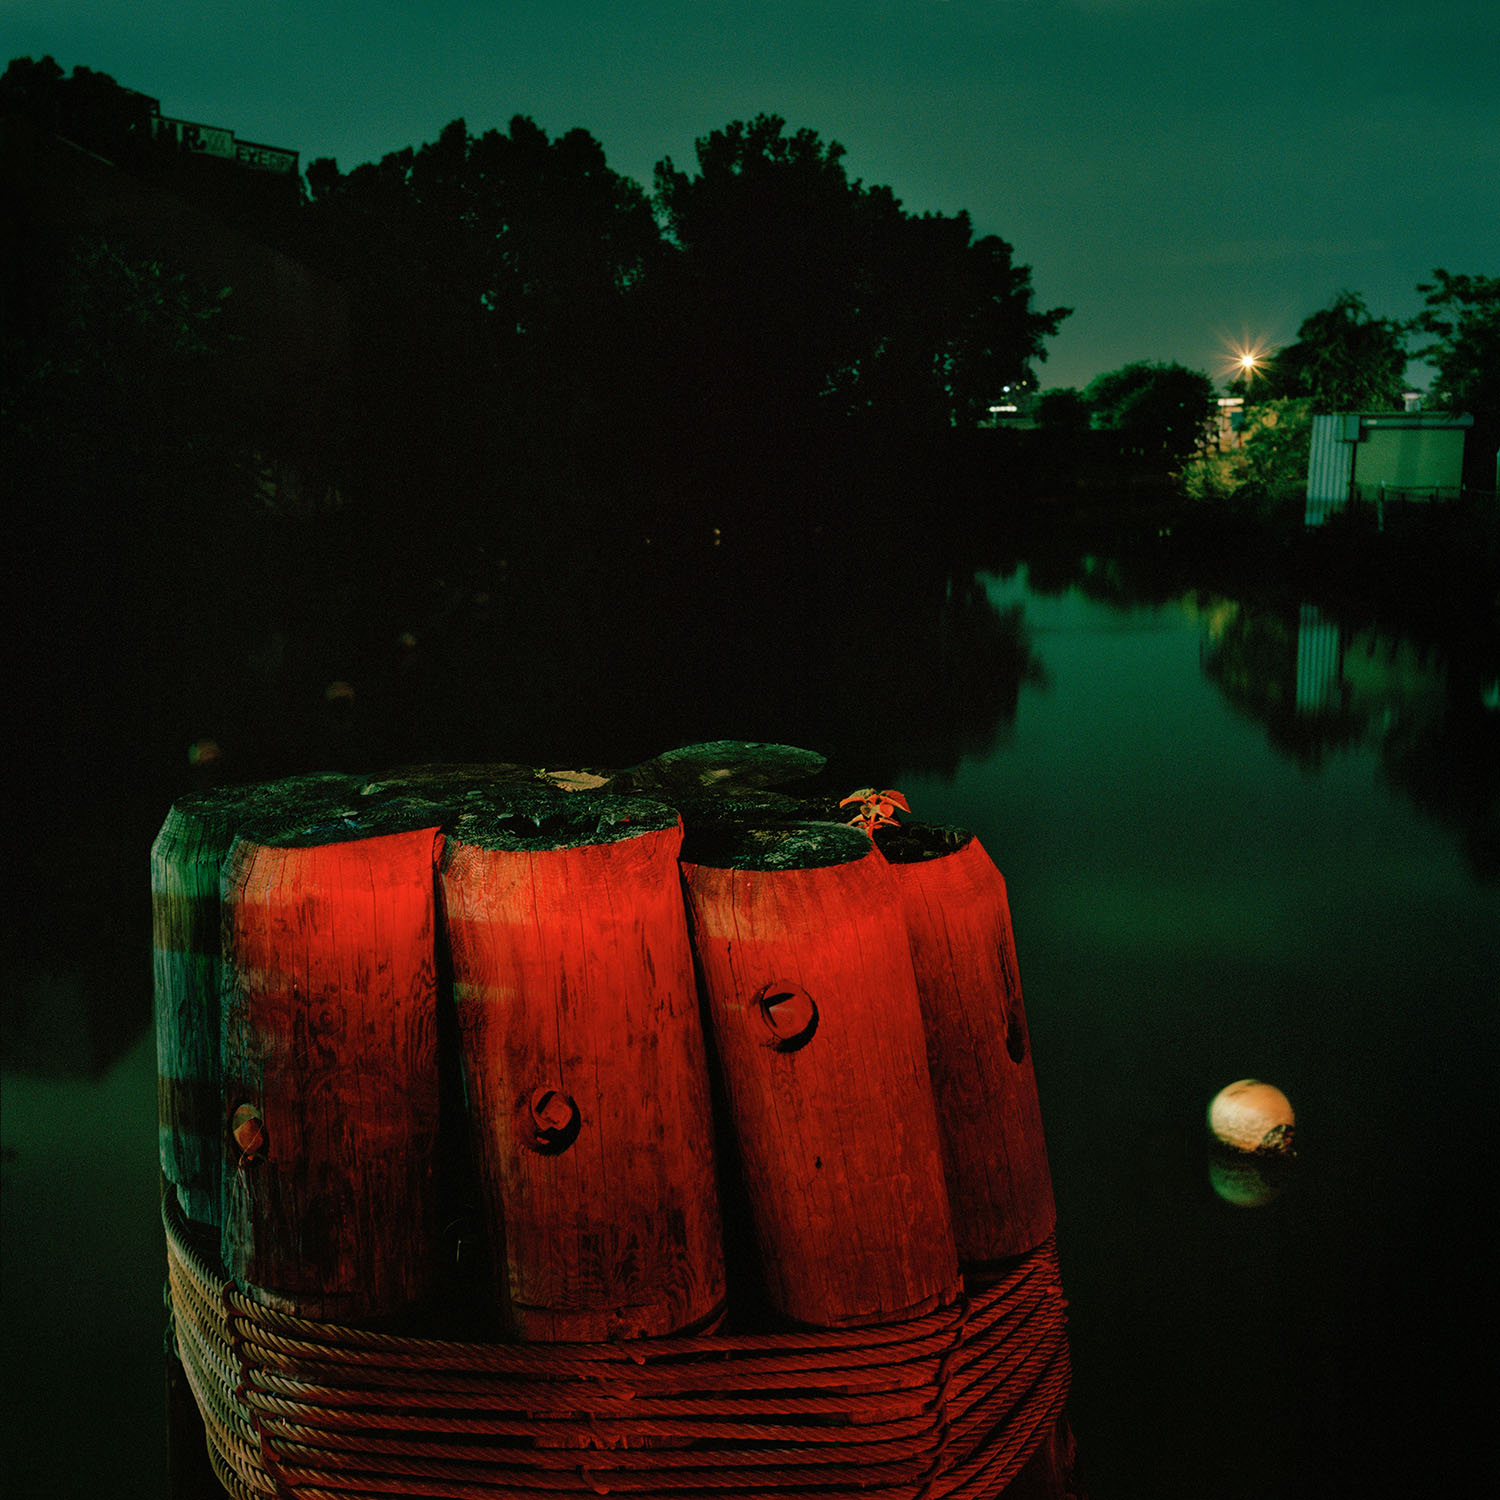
<point x="1239" y="841"/>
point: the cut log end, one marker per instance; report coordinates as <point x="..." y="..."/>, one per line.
<point x="733" y="844"/>
<point x="912" y="843"/>
<point x="347" y="825"/>
<point x="722" y="765"/>
<point x="528" y="820"/>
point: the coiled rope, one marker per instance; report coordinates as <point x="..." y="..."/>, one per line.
<point x="950" y="1404"/>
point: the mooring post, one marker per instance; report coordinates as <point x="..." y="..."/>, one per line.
<point x="186" y="859"/>
<point x="584" y="1065"/>
<point x="565" y="1002"/>
<point x="978" y="1043"/>
<point x="817" y="1028"/>
<point x="330" y="1098"/>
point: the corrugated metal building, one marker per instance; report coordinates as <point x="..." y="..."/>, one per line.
<point x="1380" y="456"/>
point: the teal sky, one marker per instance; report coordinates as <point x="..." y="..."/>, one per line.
<point x="1183" y="173"/>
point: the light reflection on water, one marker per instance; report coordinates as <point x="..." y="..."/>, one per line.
<point x="1236" y="844"/>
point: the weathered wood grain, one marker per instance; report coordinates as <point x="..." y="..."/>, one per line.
<point x="330" y="1064"/>
<point x="817" y="1029"/>
<point x="584" y="1063"/>
<point x="186" y="859"/>
<point x="978" y="1046"/>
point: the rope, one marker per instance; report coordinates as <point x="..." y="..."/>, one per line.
<point x="948" y="1405"/>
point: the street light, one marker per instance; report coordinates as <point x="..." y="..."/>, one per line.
<point x="1245" y="360"/>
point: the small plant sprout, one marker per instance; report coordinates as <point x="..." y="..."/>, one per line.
<point x="875" y="809"/>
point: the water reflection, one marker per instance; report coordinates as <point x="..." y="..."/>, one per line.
<point x="586" y="657"/>
<point x="1320" y="685"/>
<point x="1247" y="1181"/>
<point x="1206" y="884"/>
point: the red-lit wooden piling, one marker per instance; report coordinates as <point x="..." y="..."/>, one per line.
<point x="978" y="1047"/>
<point x="817" y="1030"/>
<point x="588" y="1101"/>
<point x="330" y="1100"/>
<point x="584" y="1065"/>
<point x="186" y="859"/>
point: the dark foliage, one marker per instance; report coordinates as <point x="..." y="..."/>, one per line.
<point x="1460" y="329"/>
<point x="797" y="293"/>
<point x="1343" y="360"/>
<point x="1156" y="412"/>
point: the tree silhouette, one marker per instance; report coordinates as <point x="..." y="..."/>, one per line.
<point x="1462" y="323"/>
<point x="1343" y="360"/>
<point x="85" y="107"/>
<point x="1158" y="411"/>
<point x="489" y="275"/>
<point x="797" y="293"/>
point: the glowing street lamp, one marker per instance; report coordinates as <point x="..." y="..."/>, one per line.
<point x="1245" y="361"/>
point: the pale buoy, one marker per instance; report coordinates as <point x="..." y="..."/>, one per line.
<point x="1252" y="1116"/>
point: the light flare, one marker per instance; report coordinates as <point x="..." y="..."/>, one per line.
<point x="1245" y="360"/>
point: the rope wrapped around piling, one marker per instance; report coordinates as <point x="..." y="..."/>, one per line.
<point x="950" y="1404"/>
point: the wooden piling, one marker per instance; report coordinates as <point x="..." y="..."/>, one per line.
<point x="186" y="859"/>
<point x="817" y="1030"/>
<point x="330" y="1092"/>
<point x="717" y="766"/>
<point x="978" y="1045"/>
<point x="584" y="1065"/>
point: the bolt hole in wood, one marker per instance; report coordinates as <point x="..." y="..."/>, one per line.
<point x="249" y="1132"/>
<point x="790" y="1015"/>
<point x="550" y="1122"/>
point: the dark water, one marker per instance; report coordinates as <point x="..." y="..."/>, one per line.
<point x="1238" y="840"/>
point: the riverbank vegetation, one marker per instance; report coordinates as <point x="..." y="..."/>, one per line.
<point x="523" y="355"/>
<point x="467" y="451"/>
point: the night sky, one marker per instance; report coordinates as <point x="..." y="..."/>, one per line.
<point x="1185" y="174"/>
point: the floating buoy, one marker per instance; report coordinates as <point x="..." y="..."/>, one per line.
<point x="1253" y="1116"/>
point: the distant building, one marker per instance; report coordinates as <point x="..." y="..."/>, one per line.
<point x="1227" y="423"/>
<point x="215" y="140"/>
<point x="1375" y="457"/>
<point x="199" y="204"/>
<point x="1013" y="408"/>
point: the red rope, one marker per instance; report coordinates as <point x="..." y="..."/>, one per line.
<point x="946" y="1406"/>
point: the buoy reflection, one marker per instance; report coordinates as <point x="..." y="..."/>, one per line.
<point x="1245" y="1180"/>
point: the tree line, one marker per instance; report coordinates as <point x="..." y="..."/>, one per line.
<point x="518" y="307"/>
<point x="1155" y="416"/>
<point x="527" y="324"/>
